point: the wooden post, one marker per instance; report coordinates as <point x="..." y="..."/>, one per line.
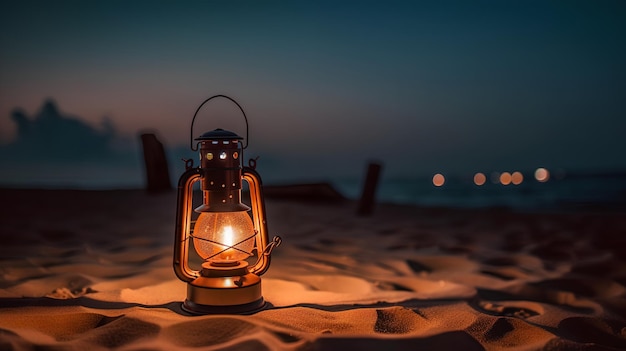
<point x="157" y="173"/>
<point x="366" y="204"/>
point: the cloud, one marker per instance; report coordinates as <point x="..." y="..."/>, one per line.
<point x="53" y="148"/>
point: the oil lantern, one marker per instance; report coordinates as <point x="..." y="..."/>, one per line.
<point x="229" y="238"/>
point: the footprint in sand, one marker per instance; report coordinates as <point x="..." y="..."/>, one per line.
<point x="518" y="309"/>
<point x="208" y="331"/>
<point x="418" y="267"/>
<point x="583" y="286"/>
<point x="512" y="332"/>
<point x="75" y="329"/>
<point x="75" y="286"/>
<point x="398" y="321"/>
<point x="120" y="331"/>
<point x="595" y="331"/>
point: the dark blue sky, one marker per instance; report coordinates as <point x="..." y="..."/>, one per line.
<point x="456" y="86"/>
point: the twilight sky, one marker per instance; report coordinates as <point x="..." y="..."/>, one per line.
<point x="424" y="86"/>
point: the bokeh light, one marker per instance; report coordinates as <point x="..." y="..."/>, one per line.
<point x="505" y="178"/>
<point x="438" y="179"/>
<point x="517" y="178"/>
<point x="479" y="179"/>
<point x="542" y="175"/>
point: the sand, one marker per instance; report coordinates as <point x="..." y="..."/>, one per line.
<point x="91" y="270"/>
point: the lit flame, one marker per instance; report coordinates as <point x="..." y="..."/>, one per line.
<point x="227" y="239"/>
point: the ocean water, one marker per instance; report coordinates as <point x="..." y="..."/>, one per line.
<point x="597" y="190"/>
<point x="567" y="190"/>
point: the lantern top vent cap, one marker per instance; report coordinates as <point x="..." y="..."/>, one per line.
<point x="219" y="134"/>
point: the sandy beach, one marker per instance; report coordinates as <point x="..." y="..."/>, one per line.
<point x="92" y="270"/>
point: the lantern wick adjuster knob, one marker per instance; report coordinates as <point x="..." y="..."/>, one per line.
<point x="269" y="248"/>
<point x="276" y="241"/>
<point x="188" y="163"/>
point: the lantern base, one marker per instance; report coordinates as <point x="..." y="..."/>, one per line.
<point x="224" y="289"/>
<point x="199" y="309"/>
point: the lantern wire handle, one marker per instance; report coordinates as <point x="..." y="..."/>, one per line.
<point x="202" y="104"/>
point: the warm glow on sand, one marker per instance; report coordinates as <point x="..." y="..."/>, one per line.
<point x="479" y="178"/>
<point x="542" y="175"/>
<point x="438" y="179"/>
<point x="517" y="178"/>
<point x="505" y="178"/>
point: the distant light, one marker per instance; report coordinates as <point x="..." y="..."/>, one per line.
<point x="542" y="175"/>
<point x="479" y="179"/>
<point x="517" y="178"/>
<point x="495" y="178"/>
<point x="505" y="178"/>
<point x="438" y="179"/>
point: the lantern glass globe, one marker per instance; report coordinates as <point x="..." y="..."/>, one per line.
<point x="224" y="237"/>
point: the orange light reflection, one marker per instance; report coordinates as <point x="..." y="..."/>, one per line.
<point x="438" y="179"/>
<point x="505" y="178"/>
<point x="479" y="179"/>
<point x="517" y="178"/>
<point x="542" y="175"/>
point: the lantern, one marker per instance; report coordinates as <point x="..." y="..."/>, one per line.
<point x="229" y="237"/>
